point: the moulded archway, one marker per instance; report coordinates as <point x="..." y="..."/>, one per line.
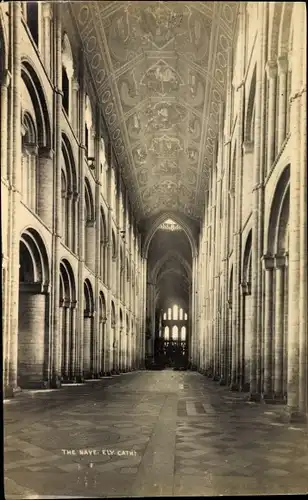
<point x="67" y="319"/>
<point x="89" y="347"/>
<point x="33" y="312"/>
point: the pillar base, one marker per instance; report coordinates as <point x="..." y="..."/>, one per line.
<point x="233" y="387"/>
<point x="222" y="381"/>
<point x="79" y="379"/>
<point x="245" y="387"/>
<point x="8" y="392"/>
<point x="254" y="397"/>
<point x="273" y="399"/>
<point x="216" y="378"/>
<point x="293" y="416"/>
<point x="55" y="382"/>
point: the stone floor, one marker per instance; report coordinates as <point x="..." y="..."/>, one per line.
<point x="149" y="434"/>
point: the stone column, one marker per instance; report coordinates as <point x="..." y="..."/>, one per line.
<point x="279" y="327"/>
<point x="46" y="13"/>
<point x="45" y="181"/>
<point x="14" y="201"/>
<point x="87" y="334"/>
<point x="257" y="210"/>
<point x="5" y="82"/>
<point x="81" y="221"/>
<point x="268" y="263"/>
<point x="282" y="103"/>
<point x="271" y="69"/>
<point x="297" y="315"/>
<point x="75" y="89"/>
<point x="73" y="357"/>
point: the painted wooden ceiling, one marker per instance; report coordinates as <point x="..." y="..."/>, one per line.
<point x="160" y="73"/>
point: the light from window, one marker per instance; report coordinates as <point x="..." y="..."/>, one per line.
<point x="169" y="313"/>
<point x="185" y="316"/>
<point x="166" y="333"/>
<point x="175" y="332"/>
<point x="183" y="333"/>
<point x="175" y="312"/>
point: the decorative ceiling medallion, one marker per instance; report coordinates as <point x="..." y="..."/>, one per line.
<point x="170" y="225"/>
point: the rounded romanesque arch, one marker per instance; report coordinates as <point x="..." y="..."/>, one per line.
<point x="276" y="279"/>
<point x="69" y="196"/>
<point x="67" y="319"/>
<point x="33" y="319"/>
<point x="89" y="347"/>
<point x="103" y="246"/>
<point x="89" y="226"/>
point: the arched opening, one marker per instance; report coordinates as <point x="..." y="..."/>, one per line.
<point x="33" y="20"/>
<point x="69" y="197"/>
<point x="102" y="347"/>
<point x="247" y="313"/>
<point x="128" y="346"/>
<point x="276" y="293"/>
<point x="33" y="317"/>
<point x="67" y="321"/>
<point x="89" y="347"/>
<point x="168" y="295"/>
<point x="114" y="341"/>
<point x="37" y="159"/>
<point x="89" y="227"/>
<point x="250" y="115"/>
<point x="67" y="77"/>
<point x="65" y="90"/>
<point x="114" y="261"/>
<point x="103" y="246"/>
<point x="122" y="343"/>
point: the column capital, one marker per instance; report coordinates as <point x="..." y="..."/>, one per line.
<point x="46" y="152"/>
<point x="280" y="261"/>
<point x="268" y="262"/>
<point x="91" y="223"/>
<point x="46" y="11"/>
<point x="73" y="304"/>
<point x="271" y="69"/>
<point x="248" y="146"/>
<point x="76" y="195"/>
<point x="75" y="84"/>
<point x="246" y="288"/>
<point x="282" y="62"/>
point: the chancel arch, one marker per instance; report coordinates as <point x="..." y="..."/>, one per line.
<point x="33" y="317"/>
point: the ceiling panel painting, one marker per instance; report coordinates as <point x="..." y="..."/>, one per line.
<point x="160" y="70"/>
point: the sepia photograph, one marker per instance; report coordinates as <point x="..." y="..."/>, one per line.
<point x="154" y="248"/>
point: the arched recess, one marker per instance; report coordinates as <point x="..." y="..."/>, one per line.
<point x="285" y="43"/>
<point x="114" y="343"/>
<point x="276" y="285"/>
<point x="67" y="320"/>
<point x="103" y="246"/>
<point x="89" y="226"/>
<point x="247" y="311"/>
<point x="229" y="329"/>
<point x="36" y="164"/>
<point x="250" y="114"/>
<point x="89" y="347"/>
<point x="122" y="274"/>
<point x="67" y="75"/>
<point x="102" y="346"/>
<point x="33" y="317"/>
<point x="231" y="197"/>
<point x="69" y="197"/>
<point x="114" y="260"/>
<point x="160" y="220"/>
<point x="122" y="341"/>
<point x="128" y="344"/>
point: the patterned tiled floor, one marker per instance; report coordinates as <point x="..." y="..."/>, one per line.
<point x="149" y="434"/>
